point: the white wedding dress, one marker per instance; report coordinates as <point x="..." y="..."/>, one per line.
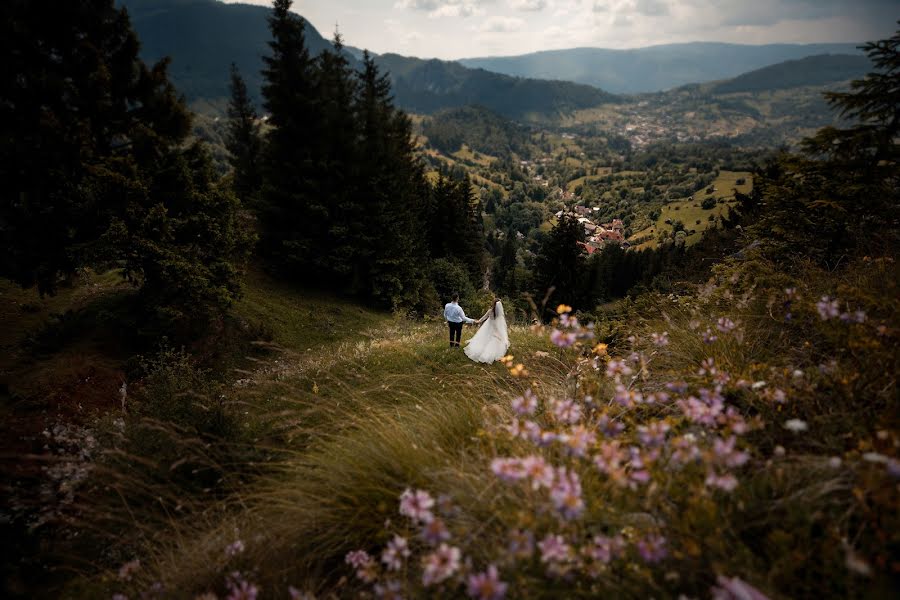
<point x="491" y="341"/>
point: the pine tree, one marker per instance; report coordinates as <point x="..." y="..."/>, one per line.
<point x="244" y="141"/>
<point x="294" y="214"/>
<point x="560" y="263"/>
<point x="505" y="269"/>
<point x="94" y="168"/>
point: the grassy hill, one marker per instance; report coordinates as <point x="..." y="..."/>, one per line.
<point x="816" y="70"/>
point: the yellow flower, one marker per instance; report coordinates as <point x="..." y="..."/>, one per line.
<point x="507" y="360"/>
<point x="315" y="389"/>
<point x="563" y="308"/>
<point x="600" y="349"/>
<point x="518" y="371"/>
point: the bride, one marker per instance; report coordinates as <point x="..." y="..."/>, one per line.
<point x="491" y="341"/>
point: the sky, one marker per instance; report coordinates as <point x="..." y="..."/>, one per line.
<point x="452" y="29"/>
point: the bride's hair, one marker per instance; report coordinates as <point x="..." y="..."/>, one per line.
<point x="494" y="306"/>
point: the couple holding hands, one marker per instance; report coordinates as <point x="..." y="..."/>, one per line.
<point x="490" y="342"/>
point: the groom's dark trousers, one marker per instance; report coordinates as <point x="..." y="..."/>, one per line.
<point x="455" y="333"/>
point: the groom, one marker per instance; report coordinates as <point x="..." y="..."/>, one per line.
<point x="455" y="316"/>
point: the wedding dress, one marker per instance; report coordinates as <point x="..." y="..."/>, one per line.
<point x="491" y="341"/>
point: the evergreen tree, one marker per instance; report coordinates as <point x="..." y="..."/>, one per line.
<point x="560" y="263"/>
<point x="294" y="215"/>
<point x="505" y="270"/>
<point x="94" y="169"/>
<point x="243" y="141"/>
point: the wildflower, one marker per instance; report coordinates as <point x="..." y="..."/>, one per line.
<point x="295" y="594"/>
<point x="507" y="469"/>
<point x="617" y="368"/>
<point x="609" y="427"/>
<point x="828" y="308"/>
<point x="604" y="549"/>
<point x="834" y="462"/>
<point x="563" y="309"/>
<point x="126" y="570"/>
<point x="389" y="590"/>
<point x="486" y="585"/>
<point x="435" y="532"/>
<point x="240" y="589"/>
<point x="726" y="454"/>
<point x="519" y="371"/>
<point x="776" y="395"/>
<point x="893" y="468"/>
<point x="526" y="404"/>
<point x="735" y="588"/>
<point x="704" y="412"/>
<point x="758" y="385"/>
<point x="707" y="366"/>
<point x="709" y="337"/>
<point x="234" y="548"/>
<point x="656" y="398"/>
<point x="417" y="505"/>
<point x="734" y="421"/>
<point x="726" y="482"/>
<point x="566" y="411"/>
<point x="600" y="349"/>
<point x="538" y="470"/>
<point x="637" y="474"/>
<point x="578" y="440"/>
<point x="563" y="339"/>
<point x="397" y="550"/>
<point x="652" y="548"/>
<point x="654" y="434"/>
<point x="627" y="398"/>
<point x="441" y="564"/>
<point x="795" y="425"/>
<point x="532" y="432"/>
<point x="725" y="325"/>
<point x="660" y="339"/>
<point x="363" y="563"/>
<point x="677" y="387"/>
<point x="521" y="543"/>
<point x="554" y="549"/>
<point x="685" y="449"/>
<point x="566" y="494"/>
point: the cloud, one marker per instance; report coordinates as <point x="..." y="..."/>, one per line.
<point x="528" y="5"/>
<point x="445" y="8"/>
<point x="625" y="9"/>
<point x="501" y="25"/>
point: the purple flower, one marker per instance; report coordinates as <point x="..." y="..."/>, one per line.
<point x="684" y="449"/>
<point x="526" y="404"/>
<point x="554" y="549"/>
<point x="677" y="387"/>
<point x="508" y="469"/>
<point x="725" y="325"/>
<point x="566" y="494"/>
<point x="397" y="550"/>
<point x="486" y="585"/>
<point x="240" y="589"/>
<point x="726" y="482"/>
<point x="652" y="548"/>
<point x="627" y="398"/>
<point x="828" y="308"/>
<point x="604" y="549"/>
<point x="357" y="558"/>
<point x="435" y="532"/>
<point x="654" y="434"/>
<point x="538" y="470"/>
<point x="417" y="505"/>
<point x="566" y="411"/>
<point x="616" y="368"/>
<point x="563" y="339"/>
<point x="660" y="339"/>
<point x="441" y="564"/>
<point x="234" y="548"/>
<point x="726" y="454"/>
<point x="578" y="440"/>
<point x="709" y="337"/>
<point x="389" y="590"/>
<point x="609" y="427"/>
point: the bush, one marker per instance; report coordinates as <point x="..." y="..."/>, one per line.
<point x="708" y="203"/>
<point x="449" y="277"/>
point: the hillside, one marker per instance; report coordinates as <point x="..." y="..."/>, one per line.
<point x="477" y="127"/>
<point x="654" y="68"/>
<point x="816" y="70"/>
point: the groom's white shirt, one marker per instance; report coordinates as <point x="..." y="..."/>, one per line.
<point x="453" y="312"/>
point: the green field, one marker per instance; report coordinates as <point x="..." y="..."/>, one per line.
<point x="690" y="211"/>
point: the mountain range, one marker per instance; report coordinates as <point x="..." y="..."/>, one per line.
<point x="654" y="68"/>
<point x="203" y="37"/>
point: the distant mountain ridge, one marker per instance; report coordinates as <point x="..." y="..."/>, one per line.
<point x="204" y="37"/>
<point x="816" y="70"/>
<point x="653" y="68"/>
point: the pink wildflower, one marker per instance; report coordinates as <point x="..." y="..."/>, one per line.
<point x="652" y="548"/>
<point x="726" y="482"/>
<point x="240" y="589"/>
<point x="566" y="494"/>
<point x="126" y="570"/>
<point x="435" y="532"/>
<point x="604" y="549"/>
<point x="660" y="339"/>
<point x="554" y="549"/>
<point x="538" y="470"/>
<point x="609" y="427"/>
<point x="508" y="469"/>
<point x="526" y="404"/>
<point x="397" y="550"/>
<point x="566" y="411"/>
<point x="234" y="548"/>
<point x="684" y="449"/>
<point x="709" y="337"/>
<point x="617" y="368"/>
<point x="726" y="454"/>
<point x="441" y="564"/>
<point x="578" y="440"/>
<point x="563" y="339"/>
<point x="654" y="434"/>
<point x="725" y="325"/>
<point x="357" y="558"/>
<point x="828" y="308"/>
<point x="417" y="505"/>
<point x="487" y="585"/>
<point x="389" y="590"/>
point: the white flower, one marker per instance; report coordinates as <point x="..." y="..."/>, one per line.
<point x="795" y="425"/>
